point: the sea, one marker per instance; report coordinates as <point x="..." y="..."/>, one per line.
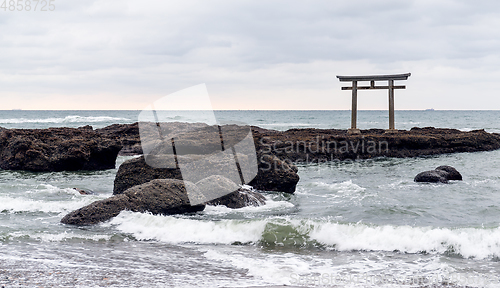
<point x="353" y="223"/>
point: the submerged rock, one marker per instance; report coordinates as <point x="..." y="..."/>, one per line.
<point x="56" y="149"/>
<point x="160" y="196"/>
<point x="243" y="197"/>
<point x="453" y="174"/>
<point x="84" y="192"/>
<point x="432" y="176"/>
<point x="441" y="174"/>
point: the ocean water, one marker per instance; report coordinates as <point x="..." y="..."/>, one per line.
<point x="361" y="223"/>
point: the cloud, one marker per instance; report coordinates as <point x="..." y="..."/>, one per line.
<point x="137" y="51"/>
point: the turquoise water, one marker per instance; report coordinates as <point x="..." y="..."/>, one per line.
<point x="350" y="223"/>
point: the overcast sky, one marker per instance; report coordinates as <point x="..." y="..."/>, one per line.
<point x="251" y="54"/>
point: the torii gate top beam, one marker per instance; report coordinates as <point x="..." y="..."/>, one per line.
<point x="374" y="77"/>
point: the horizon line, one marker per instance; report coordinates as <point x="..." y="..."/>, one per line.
<point x="429" y="110"/>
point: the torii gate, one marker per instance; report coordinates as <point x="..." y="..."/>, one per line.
<point x="372" y="79"/>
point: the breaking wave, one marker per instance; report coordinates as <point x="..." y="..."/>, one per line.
<point x="67" y="119"/>
<point x="476" y="243"/>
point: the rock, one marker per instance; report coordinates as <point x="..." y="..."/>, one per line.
<point x="56" y="149"/>
<point x="238" y="198"/>
<point x="129" y="135"/>
<point x="321" y="145"/>
<point x="432" y="176"/>
<point x="160" y="196"/>
<point x="453" y="174"/>
<point x="275" y="175"/>
<point x="126" y="134"/>
<point x="84" y="192"/>
<point x="311" y="145"/>
<point x="268" y="166"/>
<point x="213" y="186"/>
<point x="98" y="211"/>
<point x="136" y="172"/>
<point x="241" y="198"/>
<point x="441" y="174"/>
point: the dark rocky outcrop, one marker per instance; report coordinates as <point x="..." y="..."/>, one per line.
<point x="98" y="211"/>
<point x="164" y="197"/>
<point x="56" y="149"/>
<point x="311" y="145"/>
<point x="441" y="174"/>
<point x="273" y="174"/>
<point x="129" y="135"/>
<point x="136" y="172"/>
<point x="453" y="174"/>
<point x="126" y="134"/>
<point x="161" y="196"/>
<point x="432" y="176"/>
<point x="322" y="145"/>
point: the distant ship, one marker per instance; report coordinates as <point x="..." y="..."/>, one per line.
<point x="431" y="109"/>
<point x="17" y="109"/>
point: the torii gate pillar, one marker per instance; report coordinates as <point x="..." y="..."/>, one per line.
<point x="372" y="78"/>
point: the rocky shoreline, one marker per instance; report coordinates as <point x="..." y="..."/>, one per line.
<point x="56" y="149"/>
<point x="162" y="190"/>
<point x="312" y="144"/>
<point x="84" y="148"/>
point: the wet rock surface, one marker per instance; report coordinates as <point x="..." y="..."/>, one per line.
<point x="56" y="149"/>
<point x="275" y="174"/>
<point x="136" y="172"/>
<point x="164" y="197"/>
<point x="239" y="199"/>
<point x="161" y="196"/>
<point x="272" y="175"/>
<point x="441" y="174"/>
<point x="320" y="145"/>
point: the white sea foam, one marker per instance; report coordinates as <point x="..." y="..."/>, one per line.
<point x="181" y="230"/>
<point x="60" y="237"/>
<point x="269" y="268"/>
<point x="51" y="189"/>
<point x="341" y="271"/>
<point x="298" y="270"/>
<point x="67" y="119"/>
<point x="19" y="204"/>
<point x="342" y="187"/>
<point x="285" y="124"/>
<point x="271" y="205"/>
<point x="478" y="243"/>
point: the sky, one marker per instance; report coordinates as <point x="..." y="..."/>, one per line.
<point x="263" y="55"/>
